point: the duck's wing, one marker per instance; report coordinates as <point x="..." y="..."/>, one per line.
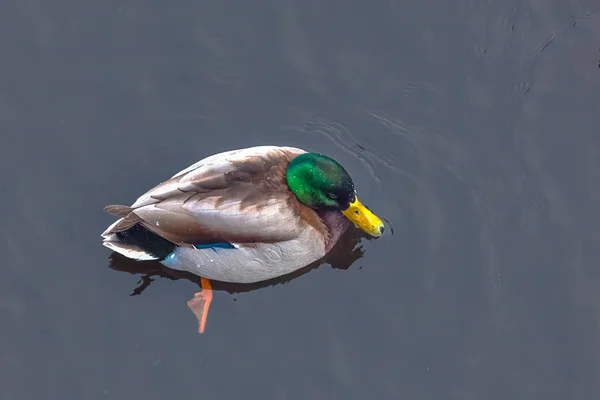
<point x="236" y="197"/>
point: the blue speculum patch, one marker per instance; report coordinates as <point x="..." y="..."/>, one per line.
<point x="220" y="245"/>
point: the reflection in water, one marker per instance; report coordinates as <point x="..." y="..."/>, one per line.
<point x="342" y="256"/>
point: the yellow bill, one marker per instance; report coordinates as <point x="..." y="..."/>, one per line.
<point x="364" y="219"/>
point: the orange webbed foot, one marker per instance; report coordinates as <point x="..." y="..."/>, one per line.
<point x="201" y="303"/>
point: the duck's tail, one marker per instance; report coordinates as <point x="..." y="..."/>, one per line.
<point x="128" y="237"/>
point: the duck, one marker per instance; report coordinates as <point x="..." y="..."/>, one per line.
<point x="242" y="216"/>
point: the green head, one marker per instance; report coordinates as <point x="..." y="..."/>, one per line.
<point x="321" y="182"/>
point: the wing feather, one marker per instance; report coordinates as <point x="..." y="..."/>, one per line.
<point x="239" y="196"/>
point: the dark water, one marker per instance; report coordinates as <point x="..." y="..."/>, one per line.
<point x="473" y="127"/>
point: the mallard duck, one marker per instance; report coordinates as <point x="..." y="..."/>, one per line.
<point x="242" y="216"/>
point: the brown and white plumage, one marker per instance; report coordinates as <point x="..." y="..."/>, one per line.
<point x="239" y="198"/>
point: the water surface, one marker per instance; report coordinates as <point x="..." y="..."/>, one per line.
<point x="471" y="127"/>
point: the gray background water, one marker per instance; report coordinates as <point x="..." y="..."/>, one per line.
<point x="472" y="127"/>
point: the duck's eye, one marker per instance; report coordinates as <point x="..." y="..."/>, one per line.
<point x="332" y="196"/>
